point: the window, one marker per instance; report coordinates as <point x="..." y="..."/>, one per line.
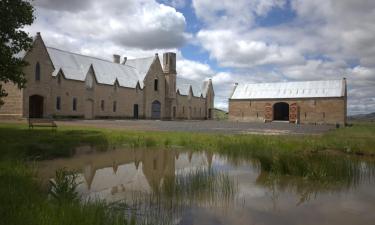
<point x="59" y="79"/>
<point x="37" y="71"/>
<point x="156" y="83"/>
<point x="114" y="106"/>
<point x="74" y="104"/>
<point x="58" y="103"/>
<point x="102" y="105"/>
<point x="183" y="109"/>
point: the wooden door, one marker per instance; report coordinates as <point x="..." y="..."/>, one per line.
<point x="135" y="111"/>
<point x="156" y="110"/>
<point x="36" y="106"/>
<point x="89" y="109"/>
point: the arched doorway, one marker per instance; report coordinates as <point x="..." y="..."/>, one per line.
<point x="281" y="111"/>
<point x="89" y="109"/>
<point x="155" y="110"/>
<point x="36" y="106"/>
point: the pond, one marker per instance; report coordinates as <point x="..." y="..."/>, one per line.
<point x="172" y="186"/>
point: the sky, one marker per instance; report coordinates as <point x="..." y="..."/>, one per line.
<point x="243" y="41"/>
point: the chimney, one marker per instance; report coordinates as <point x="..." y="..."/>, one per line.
<point x="116" y="58"/>
<point x="124" y="61"/>
<point x="169" y="62"/>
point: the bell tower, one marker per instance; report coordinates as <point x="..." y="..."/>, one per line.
<point x="169" y="66"/>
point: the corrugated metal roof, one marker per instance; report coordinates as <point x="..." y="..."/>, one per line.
<point x="301" y="89"/>
<point x="183" y="86"/>
<point x="76" y="66"/>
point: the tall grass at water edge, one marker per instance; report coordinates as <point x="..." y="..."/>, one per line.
<point x="22" y="201"/>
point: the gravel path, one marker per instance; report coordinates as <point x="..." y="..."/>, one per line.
<point x="227" y="127"/>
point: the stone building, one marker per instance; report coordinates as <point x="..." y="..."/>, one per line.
<point x="310" y="102"/>
<point x="65" y="84"/>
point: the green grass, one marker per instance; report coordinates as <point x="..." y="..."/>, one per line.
<point x="22" y="201"/>
<point x="17" y="141"/>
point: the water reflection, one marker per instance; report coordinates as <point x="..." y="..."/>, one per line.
<point x="175" y="187"/>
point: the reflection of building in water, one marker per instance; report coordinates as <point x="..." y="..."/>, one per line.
<point x="127" y="170"/>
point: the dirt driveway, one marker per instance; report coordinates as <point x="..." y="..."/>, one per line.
<point x="203" y="126"/>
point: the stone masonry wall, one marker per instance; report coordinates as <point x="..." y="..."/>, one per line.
<point x="314" y="111"/>
<point x="12" y="107"/>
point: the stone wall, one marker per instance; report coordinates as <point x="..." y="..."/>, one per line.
<point x="314" y="111"/>
<point x="190" y="107"/>
<point x="12" y="107"/>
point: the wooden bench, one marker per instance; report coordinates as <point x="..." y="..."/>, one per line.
<point x="39" y="122"/>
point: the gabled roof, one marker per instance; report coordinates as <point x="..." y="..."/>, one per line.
<point x="183" y="86"/>
<point x="301" y="89"/>
<point x="75" y="67"/>
<point x="142" y="65"/>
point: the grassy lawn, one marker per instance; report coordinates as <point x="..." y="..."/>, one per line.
<point x="22" y="201"/>
<point x="18" y="142"/>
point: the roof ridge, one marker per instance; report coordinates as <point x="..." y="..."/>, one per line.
<point x="88" y="56"/>
<point x="283" y="82"/>
<point x="93" y="57"/>
<point x="147" y="57"/>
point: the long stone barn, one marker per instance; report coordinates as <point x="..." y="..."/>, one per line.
<point x="306" y="102"/>
<point x="63" y="84"/>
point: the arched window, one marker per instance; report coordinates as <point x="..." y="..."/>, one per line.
<point x="156" y="84"/>
<point x="37" y="71"/>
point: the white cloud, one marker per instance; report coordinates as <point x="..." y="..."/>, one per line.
<point x="193" y="70"/>
<point x="143" y="24"/>
<point x="232" y="49"/>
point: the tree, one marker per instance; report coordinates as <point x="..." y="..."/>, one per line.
<point x="14" y="14"/>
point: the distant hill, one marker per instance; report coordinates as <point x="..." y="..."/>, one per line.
<point x="220" y="114"/>
<point x="370" y="117"/>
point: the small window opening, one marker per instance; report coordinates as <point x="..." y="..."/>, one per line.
<point x="156" y="84"/>
<point x="37" y="71"/>
<point x="58" y="103"/>
<point x="74" y="104"/>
